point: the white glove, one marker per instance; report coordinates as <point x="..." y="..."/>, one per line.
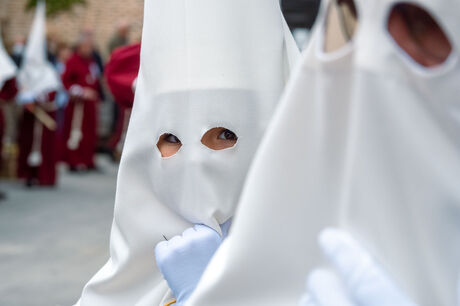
<point x="183" y="259"/>
<point x="358" y="279"/>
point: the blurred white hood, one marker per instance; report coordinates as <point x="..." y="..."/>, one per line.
<point x="36" y="75"/>
<point x="7" y="66"/>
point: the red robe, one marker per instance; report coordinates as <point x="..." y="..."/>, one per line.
<point x="120" y="72"/>
<point x="7" y="93"/>
<point x="80" y="73"/>
<point x="35" y="136"/>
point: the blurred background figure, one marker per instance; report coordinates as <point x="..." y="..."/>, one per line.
<point x="88" y="33"/>
<point x="121" y="75"/>
<point x="64" y="53"/>
<point x="119" y="115"/>
<point x="121" y="37"/>
<point x="38" y="84"/>
<point x="18" y="49"/>
<point x="82" y="79"/>
<point x="8" y="91"/>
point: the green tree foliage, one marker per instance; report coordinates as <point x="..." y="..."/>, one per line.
<point x="55" y="6"/>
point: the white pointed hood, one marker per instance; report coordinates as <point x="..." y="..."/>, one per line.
<point x="272" y="242"/>
<point x="8" y="68"/>
<point x="377" y="152"/>
<point x="204" y="64"/>
<point x="36" y="75"/>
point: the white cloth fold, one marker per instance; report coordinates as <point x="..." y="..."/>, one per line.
<point x="204" y="64"/>
<point x="365" y="140"/>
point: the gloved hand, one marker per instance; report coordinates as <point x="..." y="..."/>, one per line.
<point x="183" y="259"/>
<point x="358" y="280"/>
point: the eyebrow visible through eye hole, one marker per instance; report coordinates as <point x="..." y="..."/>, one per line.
<point x="219" y="138"/>
<point x="168" y="144"/>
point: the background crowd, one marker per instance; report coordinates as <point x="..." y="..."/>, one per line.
<point x="69" y="115"/>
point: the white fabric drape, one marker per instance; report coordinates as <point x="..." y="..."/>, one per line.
<point x="204" y="64"/>
<point x="365" y="140"/>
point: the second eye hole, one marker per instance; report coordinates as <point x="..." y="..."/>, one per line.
<point x="341" y="23"/>
<point x="418" y="33"/>
<point x="219" y="138"/>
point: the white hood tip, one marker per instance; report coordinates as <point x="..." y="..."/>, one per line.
<point x="37" y="76"/>
<point x="9" y="69"/>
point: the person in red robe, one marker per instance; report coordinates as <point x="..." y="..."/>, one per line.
<point x="81" y="79"/>
<point x="7" y="93"/>
<point x="121" y="73"/>
<point x="37" y="138"/>
<point x="38" y="82"/>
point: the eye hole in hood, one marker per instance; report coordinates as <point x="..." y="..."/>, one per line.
<point x="340" y="24"/>
<point x="168" y="144"/>
<point x="418" y="34"/>
<point x="219" y="138"/>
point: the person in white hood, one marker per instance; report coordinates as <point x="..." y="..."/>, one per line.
<point x="8" y="69"/>
<point x="211" y="74"/>
<point x="8" y="90"/>
<point x="358" y="279"/>
<point x="377" y="154"/>
<point x="38" y="83"/>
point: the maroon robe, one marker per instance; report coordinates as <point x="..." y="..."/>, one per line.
<point x="7" y="93"/>
<point x="121" y="71"/>
<point x="80" y="73"/>
<point x="43" y="174"/>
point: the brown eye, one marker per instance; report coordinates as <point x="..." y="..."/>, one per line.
<point x="341" y="22"/>
<point x="171" y="138"/>
<point x="228" y="135"/>
<point x="418" y="34"/>
<point x="219" y="138"/>
<point x="168" y="145"/>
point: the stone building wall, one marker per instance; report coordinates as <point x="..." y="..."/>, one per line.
<point x="100" y="15"/>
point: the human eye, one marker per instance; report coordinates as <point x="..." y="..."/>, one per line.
<point x="227" y="135"/>
<point x="171" y="138"/>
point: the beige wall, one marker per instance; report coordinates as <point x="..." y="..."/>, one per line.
<point x="101" y="15"/>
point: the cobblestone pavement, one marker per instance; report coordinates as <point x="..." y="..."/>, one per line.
<point x="53" y="240"/>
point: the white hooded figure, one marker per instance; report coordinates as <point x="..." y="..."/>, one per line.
<point x="205" y="64"/>
<point x="36" y="79"/>
<point x="7" y="67"/>
<point x="37" y="76"/>
<point x="377" y="153"/>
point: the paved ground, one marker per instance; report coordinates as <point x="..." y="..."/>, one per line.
<point x="53" y="240"/>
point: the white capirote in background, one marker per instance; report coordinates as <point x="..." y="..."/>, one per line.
<point x="36" y="75"/>
<point x="8" y="68"/>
